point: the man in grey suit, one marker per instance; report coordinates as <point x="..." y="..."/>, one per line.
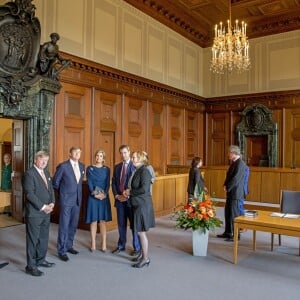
<point x="234" y="188"/>
<point x="38" y="206"/>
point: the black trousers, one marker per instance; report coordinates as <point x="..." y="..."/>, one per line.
<point x="232" y="210"/>
<point x="37" y="236"/>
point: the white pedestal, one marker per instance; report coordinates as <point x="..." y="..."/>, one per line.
<point x="200" y="241"/>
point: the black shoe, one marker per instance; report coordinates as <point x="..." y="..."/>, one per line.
<point x="142" y="264"/>
<point x="3" y="265"/>
<point x="46" y="264"/>
<point x="223" y="235"/>
<point x="64" y="257"/>
<point x="34" y="271"/>
<point x="117" y="250"/>
<point x="73" y="251"/>
<point x="139" y="257"/>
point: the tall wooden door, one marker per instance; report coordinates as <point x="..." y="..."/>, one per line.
<point x="18" y="169"/>
<point x="256" y="147"/>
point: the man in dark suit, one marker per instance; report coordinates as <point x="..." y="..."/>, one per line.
<point x="122" y="173"/>
<point x="234" y="188"/>
<point x="67" y="180"/>
<point x="38" y="206"/>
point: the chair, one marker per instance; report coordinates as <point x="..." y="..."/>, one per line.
<point x="289" y="204"/>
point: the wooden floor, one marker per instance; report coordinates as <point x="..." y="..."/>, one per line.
<point x="6" y="221"/>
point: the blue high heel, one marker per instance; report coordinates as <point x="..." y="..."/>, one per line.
<point x="142" y="263"/>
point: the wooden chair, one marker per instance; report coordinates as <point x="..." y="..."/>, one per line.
<point x="289" y="204"/>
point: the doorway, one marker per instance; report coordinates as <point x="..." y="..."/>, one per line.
<point x="12" y="168"/>
<point x="257" y="150"/>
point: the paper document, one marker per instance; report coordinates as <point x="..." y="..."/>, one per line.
<point x="282" y="215"/>
<point x="277" y="214"/>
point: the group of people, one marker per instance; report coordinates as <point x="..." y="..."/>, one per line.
<point x="132" y="189"/>
<point x="235" y="186"/>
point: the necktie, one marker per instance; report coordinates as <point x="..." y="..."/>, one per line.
<point x="77" y="172"/>
<point x="44" y="178"/>
<point x="122" y="178"/>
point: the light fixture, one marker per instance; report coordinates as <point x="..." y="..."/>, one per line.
<point x="230" y="51"/>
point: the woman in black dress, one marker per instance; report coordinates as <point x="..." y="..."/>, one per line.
<point x="141" y="202"/>
<point x="195" y="178"/>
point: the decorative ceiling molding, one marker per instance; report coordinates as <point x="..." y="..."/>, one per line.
<point x="195" y="19"/>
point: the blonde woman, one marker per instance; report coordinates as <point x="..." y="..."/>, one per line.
<point x="141" y="202"/>
<point x="98" y="204"/>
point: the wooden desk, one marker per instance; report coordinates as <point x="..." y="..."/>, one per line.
<point x="264" y="222"/>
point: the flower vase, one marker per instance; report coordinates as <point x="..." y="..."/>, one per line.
<point x="200" y="241"/>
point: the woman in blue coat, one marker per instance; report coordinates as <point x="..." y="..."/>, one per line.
<point x="98" y="203"/>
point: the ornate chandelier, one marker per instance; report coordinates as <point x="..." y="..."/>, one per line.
<point x="230" y="51"/>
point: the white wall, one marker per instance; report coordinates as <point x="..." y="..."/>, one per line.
<point x="275" y="66"/>
<point x="113" y="33"/>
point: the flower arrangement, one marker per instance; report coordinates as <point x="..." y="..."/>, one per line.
<point x="200" y="213"/>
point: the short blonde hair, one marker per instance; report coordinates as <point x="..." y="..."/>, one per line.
<point x="141" y="157"/>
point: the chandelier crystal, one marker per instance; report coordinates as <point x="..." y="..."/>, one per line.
<point x="230" y="50"/>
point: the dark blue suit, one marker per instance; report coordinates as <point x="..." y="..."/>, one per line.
<point x="124" y="212"/>
<point x="70" y="197"/>
<point x="246" y="190"/>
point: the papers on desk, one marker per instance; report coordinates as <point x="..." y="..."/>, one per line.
<point x="282" y="215"/>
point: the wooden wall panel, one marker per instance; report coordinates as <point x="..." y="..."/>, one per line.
<point x="107" y="124"/>
<point x="292" y="138"/>
<point x="169" y="196"/>
<point x="181" y="187"/>
<point x="270" y="187"/>
<point x="254" y="184"/>
<point x="158" y="195"/>
<point x="192" y="136"/>
<point x="136" y="120"/>
<point x="290" y="181"/>
<point x="176" y="146"/>
<point x="218" y="138"/>
<point x="214" y="181"/>
<point x="72" y="123"/>
<point x="157" y="147"/>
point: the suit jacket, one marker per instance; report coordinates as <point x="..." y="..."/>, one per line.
<point x="140" y="194"/>
<point x="64" y="181"/>
<point x="115" y="183"/>
<point x="195" y="177"/>
<point x="36" y="192"/>
<point x="234" y="181"/>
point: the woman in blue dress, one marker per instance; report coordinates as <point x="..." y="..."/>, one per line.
<point x="98" y="203"/>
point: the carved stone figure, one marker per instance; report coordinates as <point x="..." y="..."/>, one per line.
<point x="49" y="58"/>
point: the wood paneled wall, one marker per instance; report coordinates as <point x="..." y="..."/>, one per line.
<point x="99" y="107"/>
<point x="222" y="116"/>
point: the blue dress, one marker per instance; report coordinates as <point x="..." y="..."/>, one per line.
<point x="98" y="210"/>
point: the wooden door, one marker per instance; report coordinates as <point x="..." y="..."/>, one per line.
<point x="107" y="143"/>
<point x="18" y="169"/>
<point x="256" y="148"/>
